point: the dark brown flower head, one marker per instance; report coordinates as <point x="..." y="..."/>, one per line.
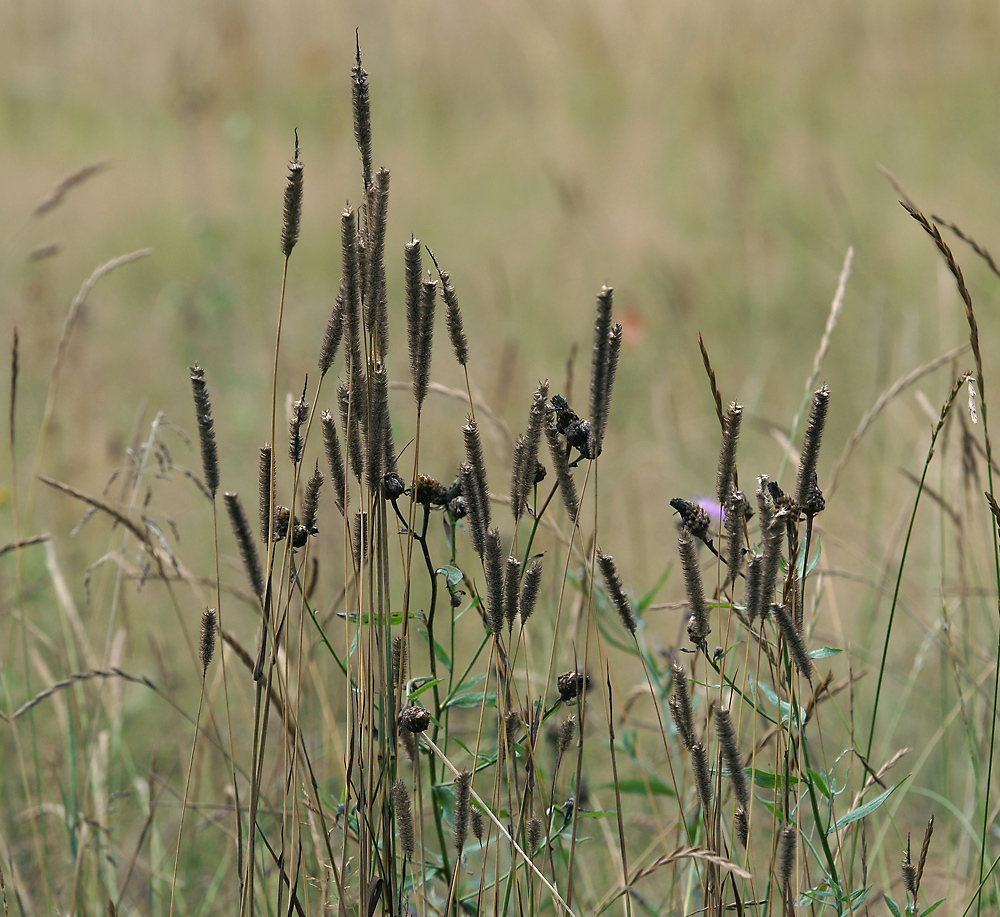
<point x="393" y="486"/>
<point x="429" y="491"/>
<point x="540" y="473"/>
<point x="414" y="719"/>
<point x="300" y="536"/>
<point x="814" y="503"/>
<point x="576" y="430"/>
<point x="571" y="685"/>
<point x="456" y="506"/>
<point x="694" y="518"/>
<point x="281" y="517"/>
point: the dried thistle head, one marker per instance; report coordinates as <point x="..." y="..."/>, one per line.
<point x="414" y="719"/>
<point x="571" y="685"/>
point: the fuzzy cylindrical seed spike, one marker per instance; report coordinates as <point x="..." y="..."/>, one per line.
<point x="335" y="459"/>
<point x="293" y="203"/>
<point x="463" y="784"/>
<point x="616" y="591"/>
<point x="332" y="336"/>
<point x="300" y="414"/>
<point x="786" y="856"/>
<point x="362" y="117"/>
<point x="735" y="509"/>
<point x="811" y="444"/>
<point x="425" y="339"/>
<point x="529" y="591"/>
<point x="493" y="562"/>
<point x="474" y="457"/>
<point x="310" y="502"/>
<point x="511" y="590"/>
<point x="206" y="430"/>
<point x="453" y="319"/>
<point x="266" y="484"/>
<point x="477" y="824"/>
<point x="698" y="627"/>
<point x="742" y="826"/>
<point x="352" y="430"/>
<point x="244" y="540"/>
<point x="731" y="755"/>
<point x="772" y="557"/>
<point x="727" y="453"/>
<point x="702" y="779"/>
<point x="208" y="626"/>
<point x="404" y="817"/>
<point x="360" y="537"/>
<point x="376" y="303"/>
<point x="755" y="571"/>
<point x="414" y="276"/>
<point x="473" y="507"/>
<point x="794" y="641"/>
<point x="567" y="730"/>
<point x="564" y="477"/>
<point x="680" y="707"/>
<point x="535" y="828"/>
<point x="599" y="393"/>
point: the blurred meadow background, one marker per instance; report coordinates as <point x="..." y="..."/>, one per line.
<point x="712" y="162"/>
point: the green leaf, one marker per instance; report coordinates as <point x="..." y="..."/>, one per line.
<point x="647" y="600"/>
<point x="893" y="907"/>
<point x="814" y="559"/>
<point x="819" y="783"/>
<point x="863" y="811"/>
<point x="453" y="576"/>
<point x="472" y="699"/>
<point x="639" y="787"/>
<point x="933" y="907"/>
<point x="825" y="652"/>
<point x="426" y="686"/>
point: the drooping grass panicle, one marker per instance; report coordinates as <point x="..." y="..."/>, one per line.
<point x="475" y="460"/>
<point x="529" y="590"/>
<point x="511" y="590"/>
<point x="616" y="591"/>
<point x="755" y="571"/>
<point x="600" y="393"/>
<point x="735" y="513"/>
<point x="526" y="452"/>
<point x="206" y="430"/>
<point x="424" y="338"/>
<point x="244" y="541"/>
<point x="493" y="564"/>
<point x="362" y="117"/>
<point x="785" y="864"/>
<point x="209" y="622"/>
<point x="463" y="784"/>
<point x="57" y="193"/>
<point x="300" y="414"/>
<point x="310" y="502"/>
<point x="266" y="488"/>
<point x="564" y="477"/>
<point x="702" y="778"/>
<point x="292" y="214"/>
<point x="727" y="454"/>
<point x="404" y="817"/>
<point x="333" y="334"/>
<point x="698" y="627"/>
<point x="376" y="303"/>
<point x="731" y="755"/>
<point x="680" y="707"/>
<point x="810" y="446"/>
<point x="335" y="460"/>
<point x="352" y="430"/>
<point x="793" y="640"/>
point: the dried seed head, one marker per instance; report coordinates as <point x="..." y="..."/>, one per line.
<point x="786" y="856"/>
<point x="300" y="414"/>
<point x="742" y="826"/>
<point x="351" y="287"/>
<point x="244" y="540"/>
<point x="727" y="454"/>
<point x="362" y="117"/>
<point x="360" y="538"/>
<point x="794" y="641"/>
<point x="535" y="828"/>
<point x="525" y="471"/>
<point x="735" y="513"/>
<point x="381" y="451"/>
<point x="293" y="203"/>
<point x="334" y="332"/>
<point x="398" y="661"/>
<point x="463" y="783"/>
<point x="206" y="430"/>
<point x="698" y="627"/>
<point x="453" y="319"/>
<point x="282" y="519"/>
<point x="909" y="871"/>
<point x="572" y="685"/>
<point x="266" y="477"/>
<point x="474" y="456"/>
<point x="352" y="430"/>
<point x="404" y="817"/>
<point x="731" y="755"/>
<point x="567" y="729"/>
<point x="414" y="276"/>
<point x="477" y="824"/>
<point x="924" y="847"/>
<point x="680" y="706"/>
<point x="310" y="503"/>
<point x="376" y="304"/>
<point x="335" y="460"/>
<point x="493" y="564"/>
<point x="772" y="555"/>
<point x="414" y="719"/>
<point x="755" y="571"/>
<point x="529" y="591"/>
<point x="616" y="591"/>
<point x="421" y="360"/>
<point x="600" y="389"/>
<point x="511" y="590"/>
<point x="428" y="492"/>
<point x="208" y="625"/>
<point x="694" y="518"/>
<point x="567" y="487"/>
<point x="810" y="446"/>
<point x="702" y="779"/>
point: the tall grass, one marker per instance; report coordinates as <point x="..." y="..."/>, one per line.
<point x="432" y="697"/>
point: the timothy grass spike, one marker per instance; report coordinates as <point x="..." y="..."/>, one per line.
<point x="266" y="481"/>
<point x="362" y="116"/>
<point x="600" y="391"/>
<point x="244" y="540"/>
<point x="335" y="459"/>
<point x="811" y="444"/>
<point x="206" y="429"/>
<point x="731" y="754"/>
<point x="404" y="817"/>
<point x="207" y="645"/>
<point x="293" y="203"/>
<point x="529" y="590"/>
<point x="616" y="591"/>
<point x="727" y="454"/>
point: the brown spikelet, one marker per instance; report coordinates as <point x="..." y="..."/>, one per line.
<point x="727" y="454"/>
<point x="14" y="350"/>
<point x="698" y="627"/>
<point x="785" y="865"/>
<point x="535" y="828"/>
<point x="58" y="192"/>
<point x="493" y="563"/>
<point x="380" y="448"/>
<point x="414" y="719"/>
<point x="567" y="730"/>
<point x="564" y="477"/>
<point x="735" y="509"/>
<point x="362" y="117"/>
<point x="244" y="540"/>
<point x="453" y="318"/>
<point x="206" y="429"/>
<point x="425" y="339"/>
<point x="793" y="640"/>
<point x="310" y="502"/>
<point x="526" y="452"/>
<point x="414" y="275"/>
<point x="511" y="590"/>
<point x="360" y="536"/>
<point x="207" y="645"/>
<point x="680" y="706"/>
<point x="742" y="826"/>
<point x="772" y="556"/>
<point x="922" y="861"/>
<point x="404" y="817"/>
<point x="398" y="661"/>
<point x="755" y="571"/>
<point x="463" y="783"/>
<point x="293" y="203"/>
<point x="477" y="824"/>
<point x="351" y="283"/>
<point x="702" y="779"/>
<point x="599" y="376"/>
<point x="332" y="336"/>
<point x="810" y="446"/>
<point x="731" y="755"/>
<point x="352" y="430"/>
<point x="300" y="413"/>
<point x="335" y="459"/>
<point x="376" y="304"/>
<point x="765" y="505"/>
<point x="266" y="481"/>
<point x="909" y="870"/>
<point x="477" y="464"/>
<point x="616" y="591"/>
<point x="529" y="591"/>
<point x="473" y="508"/>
